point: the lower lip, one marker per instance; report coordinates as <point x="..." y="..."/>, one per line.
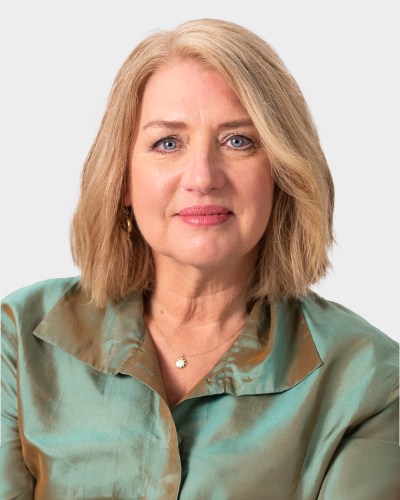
<point x="204" y="220"/>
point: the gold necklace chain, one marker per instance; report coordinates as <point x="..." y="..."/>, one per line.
<point x="182" y="361"/>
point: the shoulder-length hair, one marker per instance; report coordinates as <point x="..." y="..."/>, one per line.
<point x="293" y="253"/>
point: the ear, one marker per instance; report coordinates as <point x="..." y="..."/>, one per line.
<point x="126" y="186"/>
<point x="127" y="196"/>
<point x="127" y="199"/>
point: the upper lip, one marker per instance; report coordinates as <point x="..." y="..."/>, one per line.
<point x="205" y="210"/>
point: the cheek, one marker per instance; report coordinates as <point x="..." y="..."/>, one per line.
<point x="266" y="198"/>
<point x="145" y="189"/>
<point x="260" y="190"/>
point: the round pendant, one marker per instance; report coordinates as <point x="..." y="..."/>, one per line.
<point x="181" y="362"/>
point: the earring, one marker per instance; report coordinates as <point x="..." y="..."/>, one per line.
<point x="128" y="220"/>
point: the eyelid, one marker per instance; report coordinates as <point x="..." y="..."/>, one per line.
<point x="162" y="139"/>
<point x="253" y="142"/>
<point x="241" y="134"/>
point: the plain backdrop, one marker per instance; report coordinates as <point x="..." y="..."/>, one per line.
<point x="58" y="61"/>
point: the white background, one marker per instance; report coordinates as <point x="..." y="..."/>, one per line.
<point x="58" y="62"/>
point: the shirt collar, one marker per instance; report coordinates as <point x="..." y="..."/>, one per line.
<point x="274" y="351"/>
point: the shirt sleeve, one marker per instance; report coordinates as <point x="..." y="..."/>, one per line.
<point x="15" y="479"/>
<point x="366" y="465"/>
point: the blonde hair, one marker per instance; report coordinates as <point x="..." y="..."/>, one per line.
<point x="293" y="253"/>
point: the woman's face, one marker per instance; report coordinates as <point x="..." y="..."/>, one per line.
<point x="199" y="183"/>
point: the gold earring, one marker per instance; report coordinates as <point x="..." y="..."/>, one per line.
<point x="128" y="220"/>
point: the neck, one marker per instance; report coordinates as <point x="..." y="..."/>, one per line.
<point x="189" y="300"/>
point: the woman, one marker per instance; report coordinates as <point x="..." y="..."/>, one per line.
<point x="190" y="358"/>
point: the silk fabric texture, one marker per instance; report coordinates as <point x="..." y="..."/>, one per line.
<point x="303" y="405"/>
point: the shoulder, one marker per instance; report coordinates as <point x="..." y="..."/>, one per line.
<point x="352" y="349"/>
<point x="333" y="324"/>
<point x="31" y="303"/>
<point x="42" y="292"/>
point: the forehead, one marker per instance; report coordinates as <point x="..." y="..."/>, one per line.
<point x="188" y="86"/>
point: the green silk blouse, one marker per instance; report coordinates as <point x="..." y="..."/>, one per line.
<point x="303" y="405"/>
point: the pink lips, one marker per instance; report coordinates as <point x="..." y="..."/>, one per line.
<point x="205" y="215"/>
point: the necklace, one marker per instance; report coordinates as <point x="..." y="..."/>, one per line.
<point x="181" y="361"/>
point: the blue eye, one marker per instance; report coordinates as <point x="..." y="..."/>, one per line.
<point x="168" y="144"/>
<point x="165" y="145"/>
<point x="239" y="142"/>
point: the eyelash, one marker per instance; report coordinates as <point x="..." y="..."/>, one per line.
<point x="155" y="144"/>
<point x="160" y="141"/>
<point x="251" y="144"/>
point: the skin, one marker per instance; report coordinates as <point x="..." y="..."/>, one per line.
<point x="201" y="271"/>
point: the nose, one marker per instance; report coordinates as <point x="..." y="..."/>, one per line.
<point x="203" y="170"/>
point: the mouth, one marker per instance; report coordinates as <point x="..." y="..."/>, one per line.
<point x="205" y="215"/>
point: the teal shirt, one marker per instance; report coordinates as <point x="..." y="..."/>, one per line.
<point x="303" y="405"/>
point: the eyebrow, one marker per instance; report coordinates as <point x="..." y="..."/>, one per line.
<point x="181" y="125"/>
